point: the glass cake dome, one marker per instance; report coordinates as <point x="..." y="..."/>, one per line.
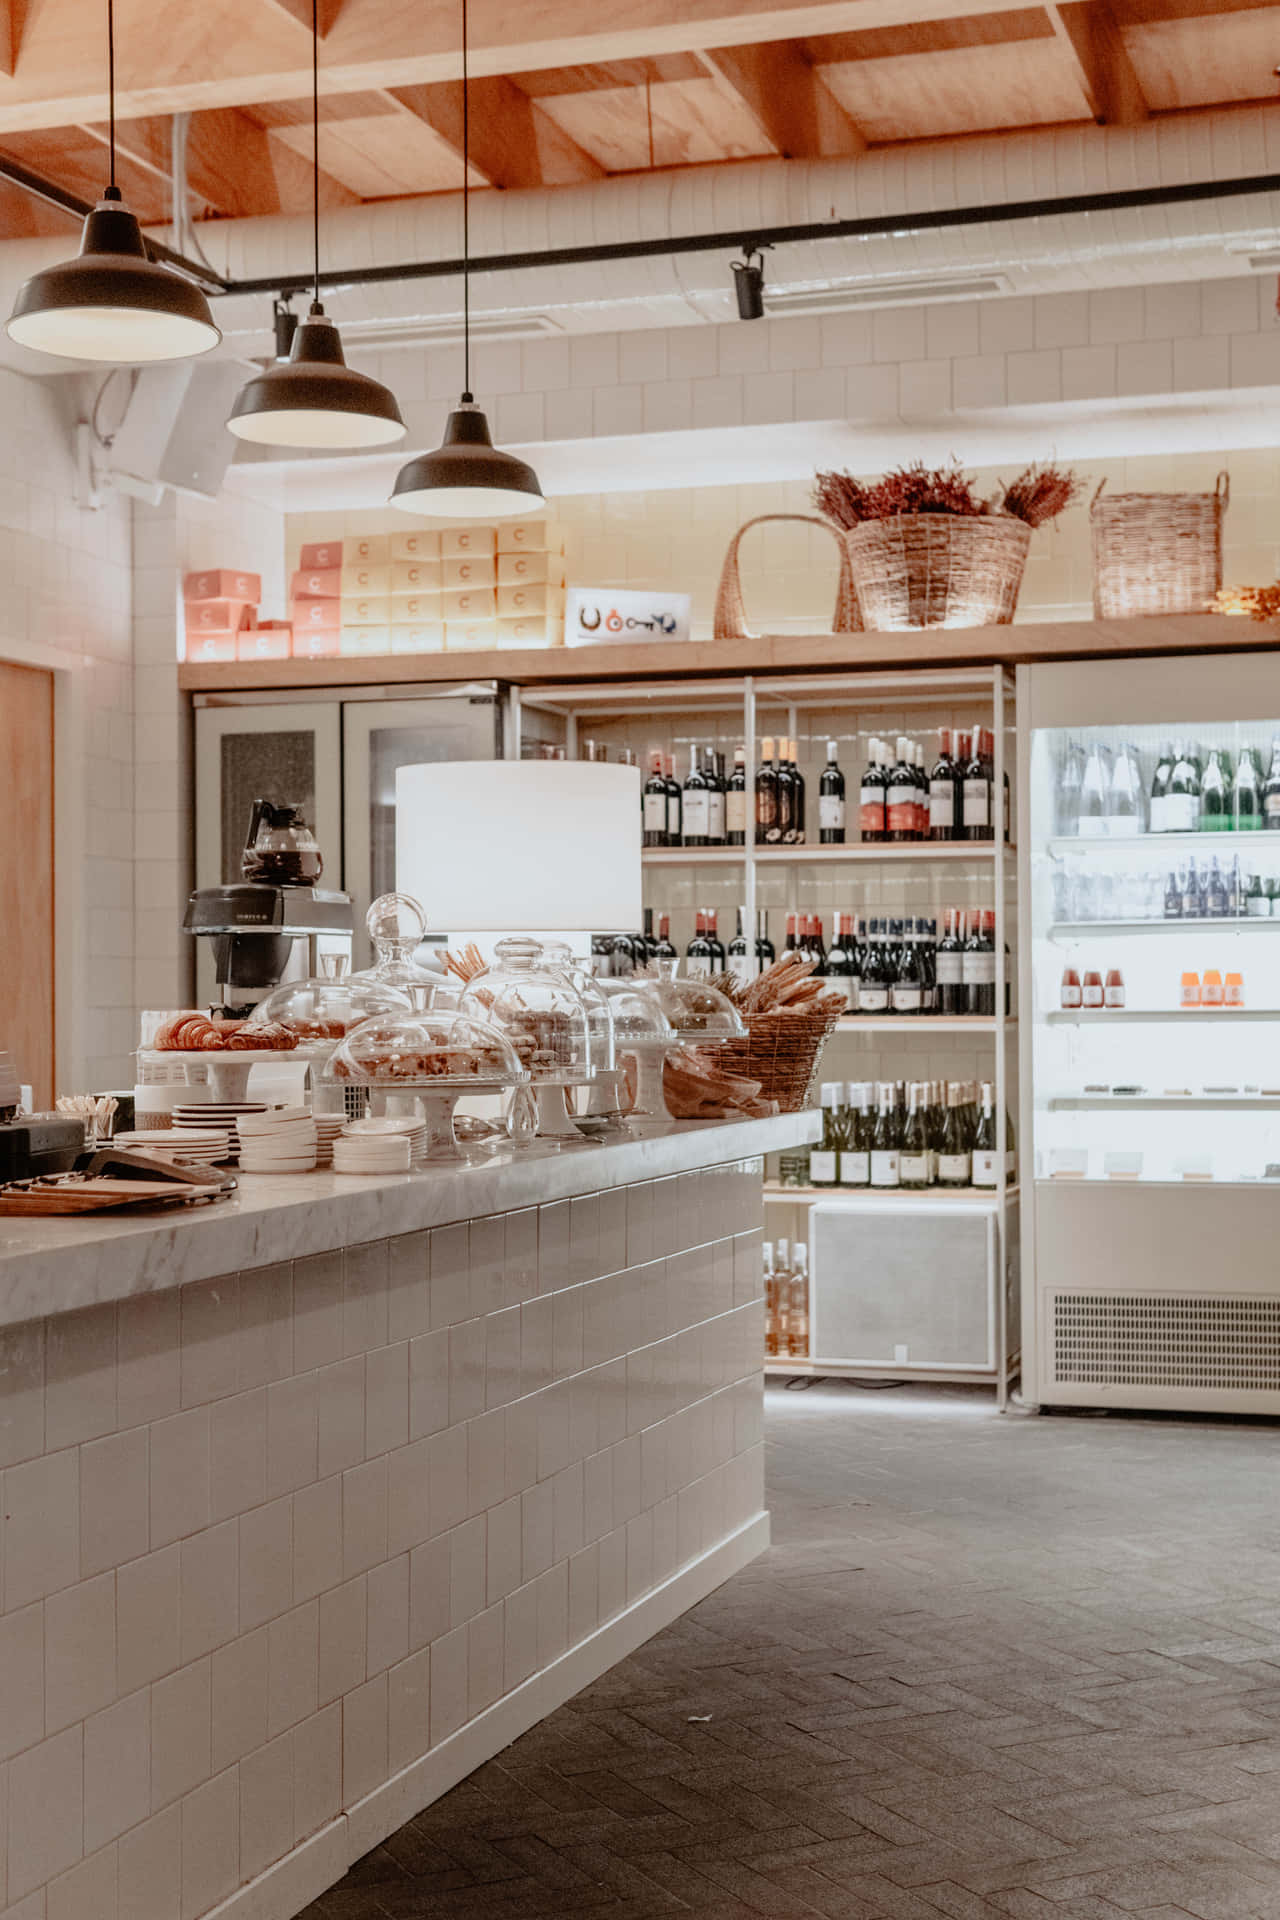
<point x="539" y="1009"/>
<point x="639" y="1018"/>
<point x="397" y="924"/>
<point x="698" y="1012"/>
<point x="325" y="1010"/>
<point x="558" y="956"/>
<point x="426" y="1046"/>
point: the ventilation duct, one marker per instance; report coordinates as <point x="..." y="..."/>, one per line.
<point x="887" y="293"/>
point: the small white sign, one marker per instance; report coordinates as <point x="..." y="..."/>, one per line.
<point x="602" y="615"/>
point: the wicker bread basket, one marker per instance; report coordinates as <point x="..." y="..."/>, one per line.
<point x="1157" y="552"/>
<point x="782" y="1051"/>
<point x="938" y="569"/>
<point x="730" y="621"/>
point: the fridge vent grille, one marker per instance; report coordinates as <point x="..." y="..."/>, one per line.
<point x="1149" y="1340"/>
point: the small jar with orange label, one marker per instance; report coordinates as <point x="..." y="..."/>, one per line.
<point x="1190" y="993"/>
<point x="1233" y="990"/>
<point x="1211" y="992"/>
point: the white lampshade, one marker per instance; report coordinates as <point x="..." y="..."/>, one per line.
<point x="551" y="844"/>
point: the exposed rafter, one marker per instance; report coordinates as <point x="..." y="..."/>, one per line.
<point x="1091" y="33"/>
<point x="788" y="99"/>
<point x="233" y="164"/>
<point x="327" y="12"/>
<point x="514" y="142"/>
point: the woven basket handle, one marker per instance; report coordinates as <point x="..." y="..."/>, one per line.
<point x="1098" y="495"/>
<point x="730" y="620"/>
<point x="1222" y="490"/>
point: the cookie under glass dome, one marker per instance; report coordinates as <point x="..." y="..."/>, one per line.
<point x="320" y="1012"/>
<point x="425" y="1061"/>
<point x="698" y="1012"/>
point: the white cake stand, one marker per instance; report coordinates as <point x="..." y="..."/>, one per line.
<point x="438" y="1096"/>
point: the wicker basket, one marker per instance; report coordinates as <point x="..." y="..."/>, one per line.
<point x="730" y="621"/>
<point x="782" y="1051"/>
<point x="938" y="570"/>
<point x="1157" y="552"/>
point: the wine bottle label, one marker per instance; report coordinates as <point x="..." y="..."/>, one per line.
<point x="698" y="967"/>
<point x="950" y="969"/>
<point x="855" y="1169"/>
<point x="830" y="812"/>
<point x="1091" y="997"/>
<point x="953" y="1168"/>
<point x="977" y="804"/>
<point x="822" y="1168"/>
<point x="655" y="813"/>
<point x="873" y="998"/>
<point x="914" y="1168"/>
<point x="885" y="1171"/>
<point x="853" y="992"/>
<point x="901" y="816"/>
<point x="735" y="812"/>
<point x="1092" y="826"/>
<point x="1071" y="998"/>
<point x="1180" y="811"/>
<point x="906" y="998"/>
<point x="1271" y="806"/>
<point x="986" y="1161"/>
<point x="1113" y="997"/>
<point x="715" y="816"/>
<point x="674" y="813"/>
<point x="942" y="804"/>
<point x="1257" y="906"/>
<point x="697" y="814"/>
<point x="978" y="969"/>
<point x="871" y="811"/>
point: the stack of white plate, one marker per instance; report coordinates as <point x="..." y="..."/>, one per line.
<point x="216" y="1113"/>
<point x="388" y="1126"/>
<point x="329" y="1127"/>
<point x="378" y="1146"/>
<point x="282" y="1140"/>
<point x="208" y="1146"/>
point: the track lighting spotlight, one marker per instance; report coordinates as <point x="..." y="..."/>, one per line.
<point x="285" y="322"/>
<point x="748" y="284"/>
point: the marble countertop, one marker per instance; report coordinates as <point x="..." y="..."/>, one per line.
<point x="55" y="1265"/>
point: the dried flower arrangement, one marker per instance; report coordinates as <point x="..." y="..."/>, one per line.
<point x="1036" y="495"/>
<point x="1260" y="603"/>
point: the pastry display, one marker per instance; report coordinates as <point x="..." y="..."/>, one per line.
<point x="320" y="1011"/>
<point x="197" y="1033"/>
<point x="432" y="1045"/>
<point x="539" y="1009"/>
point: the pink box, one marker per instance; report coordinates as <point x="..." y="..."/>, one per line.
<point x="315" y="643"/>
<point x="218" y="616"/>
<point x="272" y="642"/>
<point x="320" y="556"/>
<point x="223" y="584"/>
<point x="316" y="616"/>
<point x="212" y="645"/>
<point x="316" y="583"/>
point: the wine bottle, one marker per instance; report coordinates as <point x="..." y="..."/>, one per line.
<point x="1182" y="803"/>
<point x="976" y="792"/>
<point x="855" y="1157"/>
<point x="766" y="796"/>
<point x="900" y="797"/>
<point x="770" y="1301"/>
<point x="696" y="804"/>
<point x="952" y="996"/>
<point x="1094" y="784"/>
<point x="871" y="798"/>
<point x="715" y="798"/>
<point x="841" y="967"/>
<point x="1215" y="795"/>
<point x="831" y="800"/>
<point x="1271" y="792"/>
<point x="765" y="955"/>
<point x="1159" y="801"/>
<point x="735" y="801"/>
<point x="798" y="1304"/>
<point x="664" y="949"/>
<point x="873" y="994"/>
<point x="739" y="962"/>
<point x="942" y="791"/>
<point x="797" y="794"/>
<point x="886" y="1142"/>
<point x="954" y="1161"/>
<point x="986" y="1161"/>
<point x="786" y="794"/>
<point x="675" y="804"/>
<point x="1246" y="794"/>
<point x="907" y="993"/>
<point x="697" y="956"/>
<point x="913" y="1160"/>
<point x="649" y="937"/>
<point x="718" y="956"/>
<point x="824" y="1159"/>
<point x="979" y="968"/>
<point x="1068" y="804"/>
<point x="654" y="805"/>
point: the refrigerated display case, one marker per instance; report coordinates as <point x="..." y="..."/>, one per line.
<point x="1150" y="869"/>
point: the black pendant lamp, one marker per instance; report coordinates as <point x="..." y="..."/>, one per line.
<point x="112" y="303"/>
<point x="467" y="477"/>
<point x="314" y="399"/>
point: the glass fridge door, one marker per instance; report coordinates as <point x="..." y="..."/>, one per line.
<point x="462" y="722"/>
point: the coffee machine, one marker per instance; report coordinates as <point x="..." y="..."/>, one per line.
<point x="275" y="922"/>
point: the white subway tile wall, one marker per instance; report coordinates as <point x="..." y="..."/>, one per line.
<point x="232" y="1607"/>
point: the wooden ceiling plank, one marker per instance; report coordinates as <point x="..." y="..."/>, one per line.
<point x="788" y="99"/>
<point x="1091" y="34"/>
<point x="234" y="167"/>
<point x="513" y="141"/>
<point x="327" y="12"/>
<point x="930" y="36"/>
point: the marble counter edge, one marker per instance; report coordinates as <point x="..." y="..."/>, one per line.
<point x="56" y="1266"/>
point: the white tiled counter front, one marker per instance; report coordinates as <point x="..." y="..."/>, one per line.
<point x="289" y="1544"/>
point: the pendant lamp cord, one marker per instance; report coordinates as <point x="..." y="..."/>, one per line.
<point x="466" y="218"/>
<point x="111" y="93"/>
<point x="315" y="143"/>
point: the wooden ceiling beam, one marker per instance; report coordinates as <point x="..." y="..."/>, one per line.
<point x="1090" y="32"/>
<point x="226" y="53"/>
<point x="788" y="99"/>
<point x="234" y="167"/>
<point x="513" y="141"/>
<point x="327" y="12"/>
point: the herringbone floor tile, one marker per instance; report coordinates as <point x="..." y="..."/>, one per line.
<point x="1021" y="1669"/>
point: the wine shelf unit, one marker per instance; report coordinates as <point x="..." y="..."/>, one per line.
<point x="858" y="851"/>
<point x="890" y="1199"/>
<point x="1236" y="838"/>
<point x="909" y="1023"/>
<point x="1113" y="1016"/>
<point x="1065" y="930"/>
<point x="1164" y="1103"/>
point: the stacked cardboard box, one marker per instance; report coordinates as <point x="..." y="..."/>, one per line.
<point x="220" y="613"/>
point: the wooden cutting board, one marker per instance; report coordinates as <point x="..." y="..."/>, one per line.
<point x="92" y="1196"/>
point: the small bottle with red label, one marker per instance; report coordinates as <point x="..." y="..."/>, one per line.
<point x="1069" y="992"/>
<point x="1091" y="990"/>
<point x="1233" y="990"/>
<point x="1113" y="988"/>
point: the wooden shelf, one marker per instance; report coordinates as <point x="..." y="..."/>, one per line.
<point x="875" y="852"/>
<point x="919" y="1023"/>
<point x="771" y="653"/>
<point x="890" y="1197"/>
<point x="1115" y="1016"/>
<point x="1101" y="929"/>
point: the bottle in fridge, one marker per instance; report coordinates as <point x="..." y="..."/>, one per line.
<point x="1095" y="789"/>
<point x="1215" y="794"/>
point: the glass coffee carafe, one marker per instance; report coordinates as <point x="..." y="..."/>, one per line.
<point x="280" y="850"/>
